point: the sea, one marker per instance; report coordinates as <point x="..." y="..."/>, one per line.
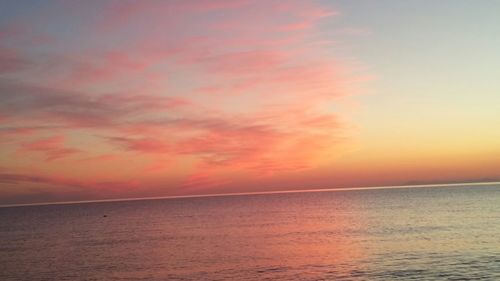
<point x="424" y="233"/>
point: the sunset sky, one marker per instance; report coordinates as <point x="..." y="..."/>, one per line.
<point x="121" y="99"/>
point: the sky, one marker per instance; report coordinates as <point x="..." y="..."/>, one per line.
<point x="127" y="99"/>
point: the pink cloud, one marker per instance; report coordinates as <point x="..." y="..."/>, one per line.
<point x="120" y="13"/>
<point x="17" y="131"/>
<point x="160" y="165"/>
<point x="99" y="68"/>
<point x="53" y="148"/>
<point x="233" y="86"/>
<point x="11" y="61"/>
<point x="21" y="32"/>
<point x="202" y="180"/>
<point x="144" y="145"/>
<point x="79" y="109"/>
<point x="249" y="62"/>
<point x="83" y="189"/>
<point x="100" y="158"/>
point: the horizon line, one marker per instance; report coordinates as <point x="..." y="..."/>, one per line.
<point x="361" y="188"/>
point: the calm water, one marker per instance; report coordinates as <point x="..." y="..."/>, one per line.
<point x="446" y="233"/>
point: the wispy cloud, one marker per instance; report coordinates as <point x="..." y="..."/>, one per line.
<point x="53" y="148"/>
<point x="233" y="86"/>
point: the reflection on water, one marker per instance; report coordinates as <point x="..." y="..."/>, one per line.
<point x="403" y="234"/>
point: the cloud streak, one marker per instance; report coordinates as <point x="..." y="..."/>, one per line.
<point x="53" y="148"/>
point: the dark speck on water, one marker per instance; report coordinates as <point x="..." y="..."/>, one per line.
<point x="432" y="233"/>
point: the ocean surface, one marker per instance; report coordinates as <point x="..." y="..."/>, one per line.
<point x="431" y="233"/>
